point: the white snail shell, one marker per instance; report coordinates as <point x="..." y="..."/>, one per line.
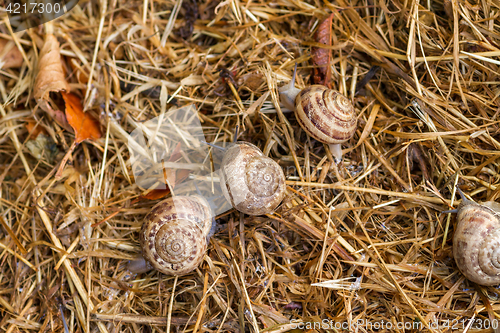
<point x="476" y="242"/>
<point x="174" y="234"/>
<point x="253" y="183"/>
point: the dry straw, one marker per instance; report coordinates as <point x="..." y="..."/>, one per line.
<point x="363" y="241"/>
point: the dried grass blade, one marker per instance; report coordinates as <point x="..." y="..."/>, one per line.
<point x="13" y="236"/>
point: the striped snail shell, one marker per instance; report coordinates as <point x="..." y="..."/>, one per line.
<point x="476" y="242"/>
<point x="325" y="114"/>
<point x="252" y="182"/>
<point x="174" y="234"/>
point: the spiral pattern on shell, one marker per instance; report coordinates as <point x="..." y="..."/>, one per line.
<point x="173" y="236"/>
<point x="476" y="243"/>
<point x="261" y="176"/>
<point x="253" y="183"/>
<point x="325" y="114"/>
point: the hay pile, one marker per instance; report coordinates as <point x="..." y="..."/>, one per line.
<point x="368" y="232"/>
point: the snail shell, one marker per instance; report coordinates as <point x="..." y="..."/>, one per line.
<point x="253" y="183"/>
<point x="476" y="242"/>
<point x="174" y="234"/>
<point x="325" y="114"/>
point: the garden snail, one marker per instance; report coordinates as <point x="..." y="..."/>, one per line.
<point x="325" y="114"/>
<point x="253" y="183"/>
<point x="174" y="234"/>
<point x="476" y="242"/>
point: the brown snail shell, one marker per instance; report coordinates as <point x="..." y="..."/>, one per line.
<point x="476" y="242"/>
<point x="325" y="114"/>
<point x="174" y="234"/>
<point x="253" y="183"/>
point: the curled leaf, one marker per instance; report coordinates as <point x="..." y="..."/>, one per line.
<point x="321" y="56"/>
<point x="10" y="56"/>
<point x="50" y="76"/>
<point x="84" y="125"/>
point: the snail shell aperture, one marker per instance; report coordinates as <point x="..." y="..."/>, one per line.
<point x="476" y="242"/>
<point x="253" y="183"/>
<point x="174" y="234"/>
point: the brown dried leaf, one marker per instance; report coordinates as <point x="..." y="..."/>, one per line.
<point x="153" y="195"/>
<point x="34" y="129"/>
<point x="251" y="81"/>
<point x="50" y="77"/>
<point x="10" y="55"/>
<point x="180" y="175"/>
<point x="84" y="125"/>
<point x="56" y="114"/>
<point x="321" y="56"/>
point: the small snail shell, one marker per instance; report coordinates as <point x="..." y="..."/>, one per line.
<point x="253" y="183"/>
<point x="325" y="114"/>
<point x="476" y="242"/>
<point x="174" y="234"/>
